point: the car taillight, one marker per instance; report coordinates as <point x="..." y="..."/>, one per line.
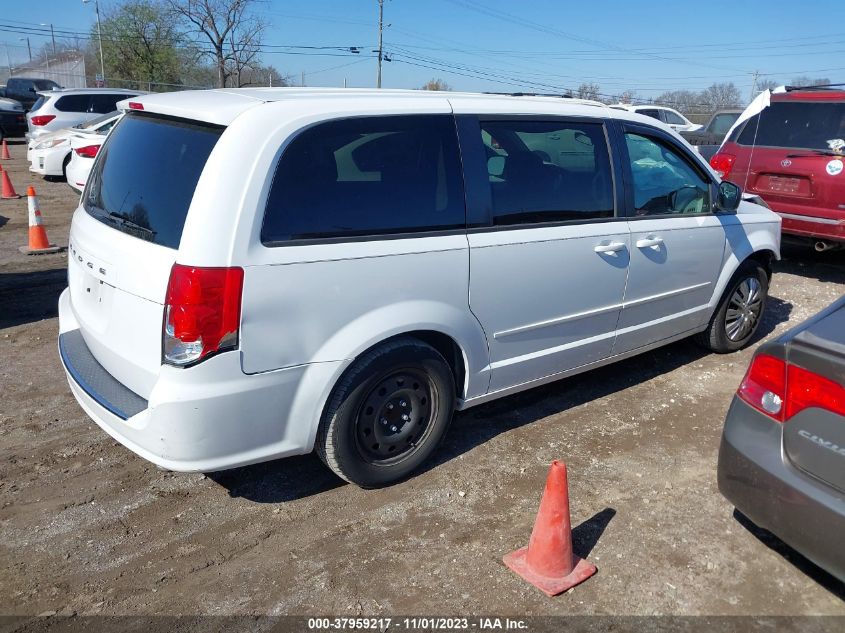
<point x="202" y="313"/>
<point x="764" y="385"/>
<point x="89" y="151"/>
<point x="805" y="389"/>
<point x="781" y="391"/>
<point x="134" y="105"/>
<point x="42" y="119"/>
<point x="722" y="163"/>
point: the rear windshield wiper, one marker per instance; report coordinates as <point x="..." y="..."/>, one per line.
<point x="124" y="219"/>
<point x="816" y="152"/>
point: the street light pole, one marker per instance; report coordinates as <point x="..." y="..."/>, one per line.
<point x="52" y="36"/>
<point x="99" y="39"/>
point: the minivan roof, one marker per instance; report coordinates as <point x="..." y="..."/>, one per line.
<point x="222" y="106"/>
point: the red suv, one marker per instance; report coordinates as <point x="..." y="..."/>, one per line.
<point x="792" y="155"/>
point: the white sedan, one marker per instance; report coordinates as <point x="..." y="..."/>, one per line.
<point x="83" y="151"/>
<point x="49" y="155"/>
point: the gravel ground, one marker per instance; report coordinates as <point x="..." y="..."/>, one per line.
<point x="87" y="527"/>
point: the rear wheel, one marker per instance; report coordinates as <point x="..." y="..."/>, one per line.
<point x="387" y="414"/>
<point x="739" y="311"/>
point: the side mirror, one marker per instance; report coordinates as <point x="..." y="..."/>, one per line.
<point x="496" y="165"/>
<point x="729" y="196"/>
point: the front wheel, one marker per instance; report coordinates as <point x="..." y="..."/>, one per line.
<point x="739" y="311"/>
<point x="387" y="414"/>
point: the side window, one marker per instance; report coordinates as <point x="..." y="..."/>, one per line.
<point x="664" y="182"/>
<point x="547" y="171"/>
<point x="105" y="103"/>
<point x="654" y="114"/>
<point x="672" y="118"/>
<point x="367" y="176"/>
<point x="73" y="103"/>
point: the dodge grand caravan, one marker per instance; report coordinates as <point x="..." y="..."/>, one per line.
<point x="260" y="273"/>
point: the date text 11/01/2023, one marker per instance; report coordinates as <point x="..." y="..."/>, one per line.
<point x="416" y="624"/>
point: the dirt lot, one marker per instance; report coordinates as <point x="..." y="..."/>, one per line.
<point x="87" y="527"/>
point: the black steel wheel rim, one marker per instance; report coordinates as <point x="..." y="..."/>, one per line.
<point x="396" y="416"/>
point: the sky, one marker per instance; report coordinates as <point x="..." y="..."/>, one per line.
<point x="510" y="45"/>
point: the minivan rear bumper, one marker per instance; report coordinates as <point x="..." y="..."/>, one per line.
<point x="206" y="418"/>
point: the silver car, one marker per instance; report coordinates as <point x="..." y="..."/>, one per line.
<point x="782" y="459"/>
<point x="58" y="109"/>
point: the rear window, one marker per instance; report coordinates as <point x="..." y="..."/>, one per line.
<point x="45" y="84"/>
<point x="38" y="103"/>
<point x="367" y="176"/>
<point x="795" y="124"/>
<point x="145" y="176"/>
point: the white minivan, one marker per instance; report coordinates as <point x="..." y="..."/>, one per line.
<point x="259" y="273"/>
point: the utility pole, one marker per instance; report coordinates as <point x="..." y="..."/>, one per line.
<point x="99" y="39"/>
<point x="302" y="79"/>
<point x="755" y="75"/>
<point x="380" y="47"/>
<point x="28" y="47"/>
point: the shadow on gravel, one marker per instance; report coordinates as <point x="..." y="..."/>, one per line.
<point x="3" y="220"/>
<point x="803" y="564"/>
<point x="587" y="534"/>
<point x="28" y="297"/>
<point x="802" y="260"/>
<point x="777" y="312"/>
<point x="278" y="481"/>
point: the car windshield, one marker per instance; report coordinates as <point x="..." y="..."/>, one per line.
<point x="796" y="124"/>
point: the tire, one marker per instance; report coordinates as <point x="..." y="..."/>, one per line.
<point x="728" y="333"/>
<point x="366" y="413"/>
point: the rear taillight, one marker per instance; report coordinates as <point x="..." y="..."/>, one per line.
<point x="202" y="313"/>
<point x="722" y="163"/>
<point x="42" y="119"/>
<point x="804" y="389"/>
<point x="781" y="391"/>
<point x="89" y="151"/>
<point x="764" y="385"/>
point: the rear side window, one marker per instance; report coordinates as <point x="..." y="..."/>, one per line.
<point x="673" y="118"/>
<point x="105" y="103"/>
<point x="796" y="124"/>
<point x="654" y="114"/>
<point x="145" y="176"/>
<point x="73" y="103"/>
<point x="547" y="171"/>
<point x="38" y="103"/>
<point x="367" y="176"/>
<point x="722" y="122"/>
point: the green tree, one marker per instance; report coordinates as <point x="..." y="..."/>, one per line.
<point x="140" y="44"/>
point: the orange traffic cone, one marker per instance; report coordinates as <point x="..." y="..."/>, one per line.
<point x="38" y="242"/>
<point x="5" y="155"/>
<point x="8" y="190"/>
<point x="548" y="562"/>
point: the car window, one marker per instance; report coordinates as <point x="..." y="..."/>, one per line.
<point x="547" y="171"/>
<point x="797" y="124"/>
<point x="721" y="123"/>
<point x="45" y="84"/>
<point x="92" y="123"/>
<point x="664" y="182"/>
<point x="105" y="103"/>
<point x="145" y="175"/>
<point x="654" y="114"/>
<point x="38" y="103"/>
<point x="673" y="118"/>
<point x="367" y="176"/>
<point x="73" y="103"/>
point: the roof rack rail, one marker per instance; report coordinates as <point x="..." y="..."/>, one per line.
<point x="815" y="87"/>
<point x="529" y="94"/>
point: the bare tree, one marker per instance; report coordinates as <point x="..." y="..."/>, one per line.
<point x="804" y="81"/>
<point x="436" y="84"/>
<point x="767" y="84"/>
<point x="721" y="95"/>
<point x="588" y="91"/>
<point x="686" y="101"/>
<point x="231" y="28"/>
